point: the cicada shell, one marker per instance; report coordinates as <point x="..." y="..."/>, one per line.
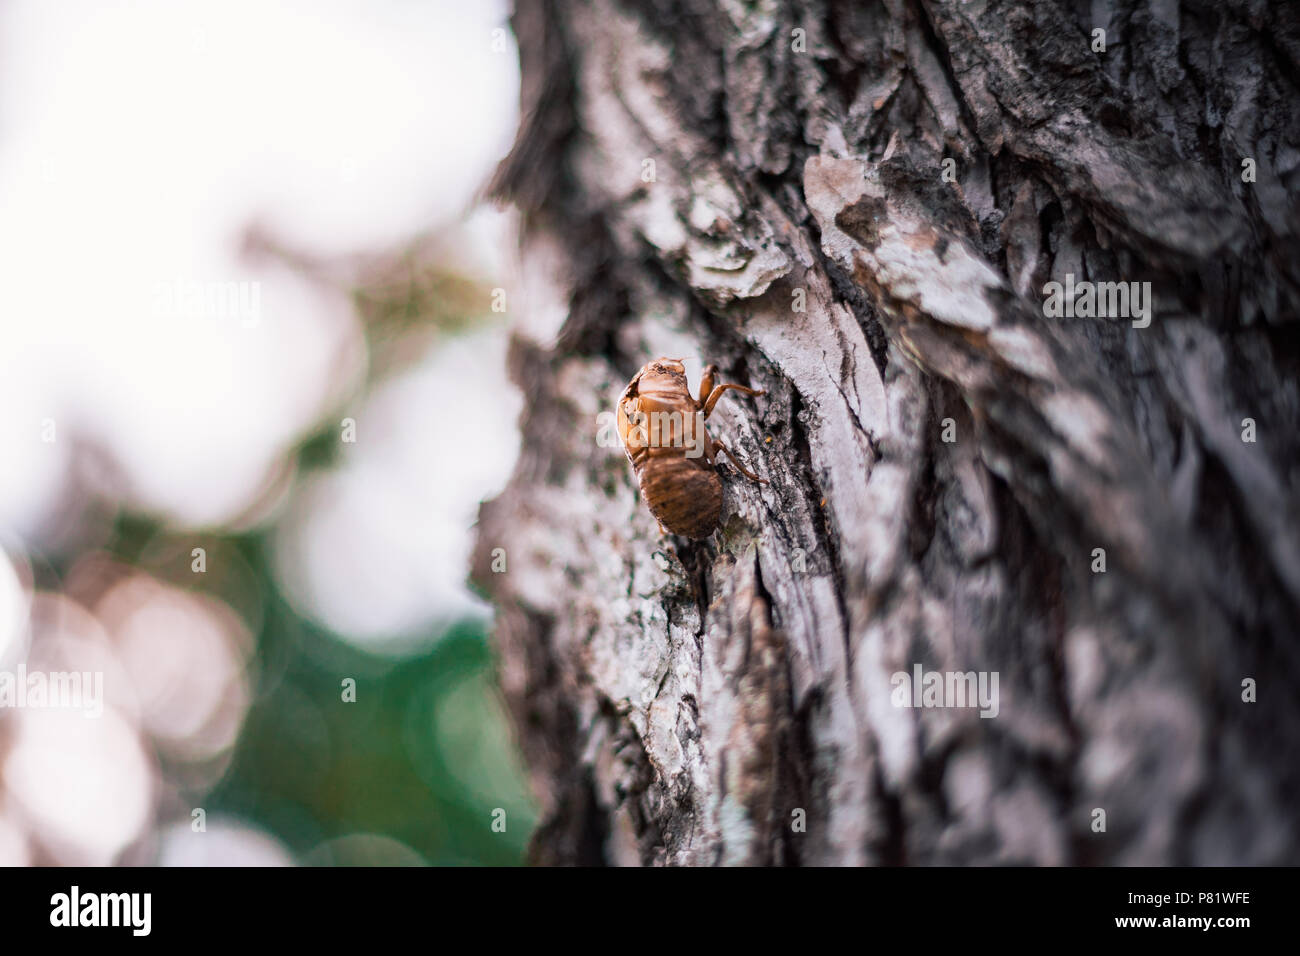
<point x="663" y="432"/>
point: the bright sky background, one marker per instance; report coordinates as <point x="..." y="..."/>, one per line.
<point x="140" y="142"/>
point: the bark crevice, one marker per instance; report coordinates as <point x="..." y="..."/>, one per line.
<point x="944" y="456"/>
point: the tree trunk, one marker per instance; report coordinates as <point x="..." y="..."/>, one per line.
<point x="962" y="479"/>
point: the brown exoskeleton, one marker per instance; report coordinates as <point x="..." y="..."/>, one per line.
<point x="662" y="428"/>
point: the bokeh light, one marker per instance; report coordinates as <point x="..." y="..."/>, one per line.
<point x="227" y="227"/>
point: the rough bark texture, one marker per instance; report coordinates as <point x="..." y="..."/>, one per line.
<point x="681" y="702"/>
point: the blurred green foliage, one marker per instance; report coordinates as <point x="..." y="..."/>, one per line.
<point x="424" y="755"/>
<point x="421" y="756"/>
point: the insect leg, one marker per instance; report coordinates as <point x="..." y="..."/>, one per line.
<point x="706" y="384"/>
<point x="719" y="446"/>
<point x="717" y="394"/>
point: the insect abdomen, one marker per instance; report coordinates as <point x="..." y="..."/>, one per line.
<point x="685" y="494"/>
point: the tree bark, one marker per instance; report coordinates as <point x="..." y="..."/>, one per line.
<point x="762" y="185"/>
